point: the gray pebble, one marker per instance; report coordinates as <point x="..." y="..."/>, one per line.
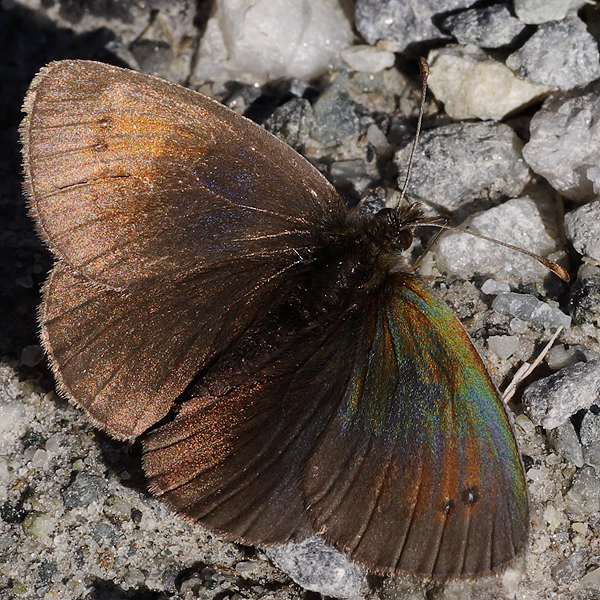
<point x="490" y="27"/>
<point x="84" y="490"/>
<point x="527" y="222"/>
<point x="573" y="60"/>
<point x="460" y="162"/>
<point x="570" y="566"/>
<point x="590" y="437"/>
<point x="584" y="495"/>
<point x="402" y="23"/>
<point x="103" y="531"/>
<point x="343" y="172"/>
<point x="32" y="355"/>
<point x="528" y="308"/>
<point x="552" y="400"/>
<point x="292" y="122"/>
<point x="335" y="119"/>
<point x="318" y="567"/>
<point x="584" y="300"/>
<point x="582" y="227"/>
<point x="565" y="441"/>
<point x="541" y="11"/>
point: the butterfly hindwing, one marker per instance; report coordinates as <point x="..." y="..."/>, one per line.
<point x="233" y="456"/>
<point x="418" y="470"/>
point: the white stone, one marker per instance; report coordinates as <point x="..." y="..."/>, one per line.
<point x="256" y="40"/>
<point x="503" y="346"/>
<point x="12" y="425"/>
<point x="493" y="287"/>
<point x="522" y="222"/>
<point x="565" y="143"/>
<point x="376" y="137"/>
<point x="316" y="566"/>
<point x="582" y="227"/>
<point x="471" y="84"/>
<point x="368" y="59"/>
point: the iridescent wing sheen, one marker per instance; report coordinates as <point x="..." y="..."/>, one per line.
<point x="418" y="470"/>
<point x="165" y="212"/>
<point x="382" y="431"/>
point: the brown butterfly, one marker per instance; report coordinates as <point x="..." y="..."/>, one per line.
<point x="212" y="294"/>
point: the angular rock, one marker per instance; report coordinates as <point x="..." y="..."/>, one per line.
<point x="368" y="59"/>
<point x="460" y="162"/>
<point x="489" y="27"/>
<point x="527" y="222"/>
<point x="582" y="227"/>
<point x="318" y="567"/>
<point x="528" y="308"/>
<point x="401" y="23"/>
<point x="565" y="441"/>
<point x="84" y="490"/>
<point x="573" y="61"/>
<point x="255" y="40"/>
<point x="335" y="119"/>
<point x="471" y="84"/>
<point x="552" y="400"/>
<point x="534" y="12"/>
<point x="584" y="301"/>
<point x="565" y="143"/>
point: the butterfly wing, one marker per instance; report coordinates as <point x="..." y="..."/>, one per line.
<point x="385" y="434"/>
<point x="418" y="470"/>
<point x="175" y="223"/>
<point x="131" y="177"/>
<point x="233" y="456"/>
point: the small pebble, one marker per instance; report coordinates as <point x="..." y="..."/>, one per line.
<point x="503" y="346"/>
<point x="492" y="287"/>
<point x="368" y="59"/>
<point x="472" y="84"/>
<point x="550" y="401"/>
<point x="335" y="119"/>
<point x="523" y="222"/>
<point x="84" y="490"/>
<point x="564" y="143"/>
<point x="584" y="300"/>
<point x="38" y="524"/>
<point x="319" y="567"/>
<point x="529" y="308"/>
<point x="534" y="12"/>
<point x="565" y="441"/>
<point x="399" y="23"/>
<point x="489" y="27"/>
<point x="582" y="227"/>
<point x="458" y="163"/>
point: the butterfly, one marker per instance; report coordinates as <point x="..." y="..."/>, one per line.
<point x="213" y="296"/>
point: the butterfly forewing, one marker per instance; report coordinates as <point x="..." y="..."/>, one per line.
<point x="127" y="180"/>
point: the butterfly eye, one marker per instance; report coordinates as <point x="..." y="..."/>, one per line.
<point x="404" y="240"/>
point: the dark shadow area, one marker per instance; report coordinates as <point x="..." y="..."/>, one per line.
<point x="124" y="459"/>
<point x="26" y="47"/>
<point x="106" y="590"/>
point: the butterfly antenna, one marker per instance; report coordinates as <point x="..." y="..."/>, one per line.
<point x="424" y="75"/>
